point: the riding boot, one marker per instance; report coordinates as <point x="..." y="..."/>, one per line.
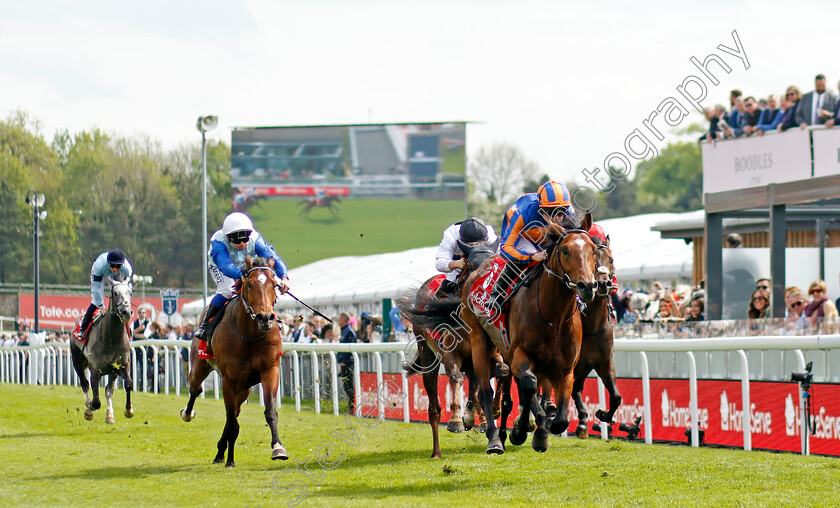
<point x="86" y="321"/>
<point x="205" y="331"/>
<point x="497" y="299"/>
<point x="447" y="288"/>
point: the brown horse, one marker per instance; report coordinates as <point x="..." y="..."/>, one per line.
<point x="327" y="202"/>
<point x="247" y="346"/>
<point x="545" y="333"/>
<point x="453" y="351"/>
<point x="597" y="346"/>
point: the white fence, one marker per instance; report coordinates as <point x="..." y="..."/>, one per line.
<point x="51" y="364"/>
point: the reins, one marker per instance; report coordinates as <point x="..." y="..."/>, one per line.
<point x="562" y="276"/>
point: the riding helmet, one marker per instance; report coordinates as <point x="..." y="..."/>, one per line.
<point x="473" y="229"/>
<point x="552" y="194"/>
<point x="236" y="221"/>
<point x="116" y="257"/>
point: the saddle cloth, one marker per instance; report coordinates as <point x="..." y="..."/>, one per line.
<point x="482" y="288"/>
<point x="82" y="337"/>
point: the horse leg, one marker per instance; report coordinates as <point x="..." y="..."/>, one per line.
<point x="507" y="407"/>
<point x="129" y="385"/>
<point x="582" y="430"/>
<point x="607" y="375"/>
<point x="547" y="402"/>
<point x="527" y="384"/>
<point x="456" y="384"/>
<point x="472" y="398"/>
<point x="80" y="366"/>
<point x="270" y="381"/>
<point x="94" y="385"/>
<point x="430" y="383"/>
<point x="481" y="364"/>
<point x="198" y="373"/>
<point x="563" y="392"/>
<point x="109" y="401"/>
<point x="231" y="430"/>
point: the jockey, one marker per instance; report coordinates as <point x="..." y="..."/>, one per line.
<point x="449" y="258"/>
<point x="525" y="226"/>
<point x="228" y="248"/>
<point x="112" y="265"/>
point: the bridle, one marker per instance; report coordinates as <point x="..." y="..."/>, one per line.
<point x="563" y="275"/>
<point x="610" y="272"/>
<point x="113" y="309"/>
<point x="250" y="310"/>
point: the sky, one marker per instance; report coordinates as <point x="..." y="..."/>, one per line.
<point x="565" y="82"/>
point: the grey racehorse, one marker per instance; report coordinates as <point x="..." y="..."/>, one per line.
<point x="106" y="353"/>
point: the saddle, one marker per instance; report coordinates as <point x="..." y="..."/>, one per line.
<point x="482" y="289"/>
<point x="80" y="335"/>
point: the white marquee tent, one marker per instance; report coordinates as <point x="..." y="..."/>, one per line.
<point x="360" y="283"/>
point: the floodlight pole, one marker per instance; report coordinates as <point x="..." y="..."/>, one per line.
<point x="204" y="124"/>
<point x="36" y="201"/>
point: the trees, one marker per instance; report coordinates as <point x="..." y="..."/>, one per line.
<point x="496" y="175"/>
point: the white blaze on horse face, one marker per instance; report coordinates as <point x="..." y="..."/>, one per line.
<point x="580" y="242"/>
<point x="262" y="278"/>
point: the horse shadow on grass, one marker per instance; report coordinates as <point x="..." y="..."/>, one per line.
<point x="116" y="472"/>
<point x="25" y="435"/>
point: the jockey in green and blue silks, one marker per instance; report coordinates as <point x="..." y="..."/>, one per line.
<point x="228" y="248"/>
<point x="112" y="265"/>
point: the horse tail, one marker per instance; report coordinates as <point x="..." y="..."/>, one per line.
<point x="430" y="313"/>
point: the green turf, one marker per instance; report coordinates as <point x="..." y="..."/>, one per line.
<point x="362" y="227"/>
<point x="51" y="456"/>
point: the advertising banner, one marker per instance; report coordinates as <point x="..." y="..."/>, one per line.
<point x="774" y="410"/>
<point x="826" y="152"/>
<point x="756" y="161"/>
<point x="62" y="311"/>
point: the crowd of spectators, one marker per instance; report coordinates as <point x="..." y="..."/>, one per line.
<point x="749" y="116"/>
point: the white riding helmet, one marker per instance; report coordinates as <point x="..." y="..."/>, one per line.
<point x="237" y="221"/>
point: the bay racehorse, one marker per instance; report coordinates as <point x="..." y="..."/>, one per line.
<point x="106" y="353"/>
<point x="545" y="333"/>
<point x="452" y="350"/>
<point x="247" y="346"/>
<point x="328" y="202"/>
<point x="597" y="345"/>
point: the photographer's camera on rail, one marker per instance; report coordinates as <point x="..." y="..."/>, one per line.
<point x="803" y="378"/>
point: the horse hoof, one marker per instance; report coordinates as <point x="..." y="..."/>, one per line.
<point x="88" y="415"/>
<point x="559" y="426"/>
<point x="187" y="417"/>
<point x="516" y="437"/>
<point x="218" y="460"/>
<point x="603" y="416"/>
<point x="581" y="431"/>
<point x="109" y="419"/>
<point x="95" y="404"/>
<point x="279" y="453"/>
<point x="469" y="421"/>
<point x="495" y="446"/>
<point x="129" y="413"/>
<point x="230" y="464"/>
<point x="455" y="427"/>
<point x="540" y="440"/>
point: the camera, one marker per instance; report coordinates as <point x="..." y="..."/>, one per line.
<point x="803" y="378"/>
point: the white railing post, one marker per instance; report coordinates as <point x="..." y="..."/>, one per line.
<point x="166" y="364"/>
<point x="262" y="395"/>
<point x="316" y="382"/>
<point x="334" y="375"/>
<point x="405" y="401"/>
<point x="217" y="380"/>
<point x="296" y="379"/>
<point x="805" y="428"/>
<point x="648" y="425"/>
<point x="746" y="421"/>
<point x="378" y="359"/>
<point x="692" y="387"/>
<point x="605" y="428"/>
<point x="357" y="383"/>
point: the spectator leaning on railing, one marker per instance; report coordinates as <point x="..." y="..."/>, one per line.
<point x="789" y="118"/>
<point x="759" y="303"/>
<point x="816" y="107"/>
<point x="752" y="116"/>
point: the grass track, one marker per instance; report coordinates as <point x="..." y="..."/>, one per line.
<point x="51" y="456"/>
<point x="364" y="226"/>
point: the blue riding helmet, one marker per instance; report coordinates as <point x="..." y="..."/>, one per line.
<point x="116" y="257"/>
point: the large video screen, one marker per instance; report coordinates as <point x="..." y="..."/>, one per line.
<point x="340" y="190"/>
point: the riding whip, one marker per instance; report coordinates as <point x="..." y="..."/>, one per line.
<point x="307" y="306"/>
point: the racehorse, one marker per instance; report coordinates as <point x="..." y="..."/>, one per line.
<point x="597" y="345"/>
<point x="545" y="333"/>
<point x="106" y="352"/>
<point x="327" y="202"/>
<point x="453" y="351"/>
<point x="243" y="201"/>
<point x="247" y="346"/>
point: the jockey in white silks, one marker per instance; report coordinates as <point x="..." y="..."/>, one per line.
<point x="228" y="248"/>
<point x="449" y="258"/>
<point x="112" y="265"/>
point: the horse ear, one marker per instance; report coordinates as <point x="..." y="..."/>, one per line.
<point x="466" y="249"/>
<point x="607" y="241"/>
<point x="247" y="262"/>
<point x="587" y="222"/>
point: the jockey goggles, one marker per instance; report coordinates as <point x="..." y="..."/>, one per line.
<point x="239" y="237"/>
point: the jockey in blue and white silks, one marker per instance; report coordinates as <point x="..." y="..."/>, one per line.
<point x="228" y="248"/>
<point x="112" y="265"/>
